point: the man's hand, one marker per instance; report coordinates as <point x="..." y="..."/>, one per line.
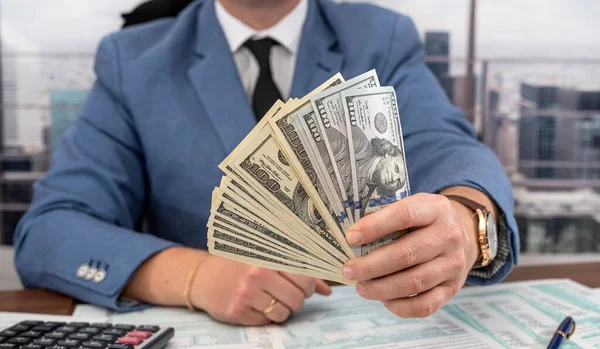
<point x="431" y="262"/>
<point x="238" y="293"/>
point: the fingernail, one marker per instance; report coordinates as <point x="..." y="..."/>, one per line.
<point x="354" y="237"/>
<point x="385" y="303"/>
<point x="360" y="289"/>
<point x="348" y="273"/>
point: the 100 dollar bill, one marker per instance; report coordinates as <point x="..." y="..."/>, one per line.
<point x="376" y="150"/>
<point x="331" y="122"/>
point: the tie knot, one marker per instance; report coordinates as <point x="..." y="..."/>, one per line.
<point x="261" y="49"/>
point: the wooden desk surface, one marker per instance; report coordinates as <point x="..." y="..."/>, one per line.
<point x="36" y="301"/>
<point x="45" y="302"/>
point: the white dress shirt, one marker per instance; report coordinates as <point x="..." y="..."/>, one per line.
<point x="287" y="32"/>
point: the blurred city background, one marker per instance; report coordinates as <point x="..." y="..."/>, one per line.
<point x="526" y="73"/>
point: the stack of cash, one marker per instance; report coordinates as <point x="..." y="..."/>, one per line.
<point x="310" y="169"/>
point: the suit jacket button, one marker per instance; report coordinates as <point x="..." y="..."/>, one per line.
<point x="100" y="276"/>
<point x="90" y="273"/>
<point x="82" y="270"/>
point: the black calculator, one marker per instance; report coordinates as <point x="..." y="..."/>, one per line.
<point x="83" y="335"/>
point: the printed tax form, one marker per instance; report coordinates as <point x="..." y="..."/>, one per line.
<point x="517" y="315"/>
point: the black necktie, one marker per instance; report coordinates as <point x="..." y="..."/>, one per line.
<point x="265" y="91"/>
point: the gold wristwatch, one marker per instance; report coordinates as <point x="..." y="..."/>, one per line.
<point x="486" y="228"/>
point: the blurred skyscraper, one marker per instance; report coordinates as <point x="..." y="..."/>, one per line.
<point x="20" y="80"/>
<point x="559" y="133"/>
<point x="437" y="45"/>
<point x="557" y="199"/>
<point x="9" y="90"/>
<point x="437" y="50"/>
<point x="437" y="53"/>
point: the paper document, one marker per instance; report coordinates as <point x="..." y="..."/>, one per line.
<point x="526" y="314"/>
<point x="343" y="320"/>
<point x="515" y="315"/>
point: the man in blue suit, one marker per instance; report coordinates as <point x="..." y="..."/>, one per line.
<point x="175" y="96"/>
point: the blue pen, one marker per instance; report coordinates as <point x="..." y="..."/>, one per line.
<point x="564" y="331"/>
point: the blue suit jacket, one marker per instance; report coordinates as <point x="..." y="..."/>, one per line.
<point x="168" y="106"/>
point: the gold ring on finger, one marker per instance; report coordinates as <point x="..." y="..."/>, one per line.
<point x="271" y="306"/>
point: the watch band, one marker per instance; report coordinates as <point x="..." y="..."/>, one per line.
<point x="468" y="202"/>
<point x="482" y="233"/>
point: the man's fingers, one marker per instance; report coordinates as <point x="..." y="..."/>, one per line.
<point x="284" y="291"/>
<point x="413" y="211"/>
<point x="253" y="318"/>
<point x="266" y="304"/>
<point x="248" y="312"/>
<point x="417" y="247"/>
<point x="323" y="288"/>
<point x="415" y="280"/>
<point x="305" y="283"/>
<point x="422" y="305"/>
<point x="309" y="285"/>
<point x="276" y="312"/>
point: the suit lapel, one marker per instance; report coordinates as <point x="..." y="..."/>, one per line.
<point x="318" y="59"/>
<point x="215" y="79"/>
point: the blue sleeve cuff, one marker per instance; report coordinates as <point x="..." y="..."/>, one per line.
<point x="64" y="266"/>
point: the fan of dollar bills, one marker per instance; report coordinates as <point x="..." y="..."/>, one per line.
<point x="309" y="169"/>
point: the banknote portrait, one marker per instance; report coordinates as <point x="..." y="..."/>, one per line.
<point x="304" y="208"/>
<point x="379" y="164"/>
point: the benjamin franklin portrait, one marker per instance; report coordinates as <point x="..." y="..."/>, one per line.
<point x="379" y="165"/>
<point x="380" y="169"/>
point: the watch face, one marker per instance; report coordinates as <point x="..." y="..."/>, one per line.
<point x="492" y="235"/>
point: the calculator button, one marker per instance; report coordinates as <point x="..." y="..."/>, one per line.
<point x="148" y="328"/>
<point x="89" y="330"/>
<point x="20" y="327"/>
<point x="8" y="333"/>
<point x="68" y="343"/>
<point x="124" y="327"/>
<point x="94" y="345"/>
<point x="140" y="334"/>
<point x="78" y="324"/>
<point x="31" y="334"/>
<point x="55" y="335"/>
<point x="67" y="329"/>
<point x="31" y="323"/>
<point x="114" y="332"/>
<point x="43" y="328"/>
<point x="57" y="347"/>
<point x="31" y="346"/>
<point x="130" y="340"/>
<point x="53" y="324"/>
<point x="7" y="346"/>
<point x="18" y="340"/>
<point x="104" y="338"/>
<point x="47" y="326"/>
<point x="44" y="342"/>
<point x="79" y="336"/>
<point x="120" y="346"/>
<point x="101" y="325"/>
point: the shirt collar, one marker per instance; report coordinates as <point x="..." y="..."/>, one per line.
<point x="286" y="32"/>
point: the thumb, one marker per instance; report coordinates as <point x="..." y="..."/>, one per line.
<point x="323" y="288"/>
